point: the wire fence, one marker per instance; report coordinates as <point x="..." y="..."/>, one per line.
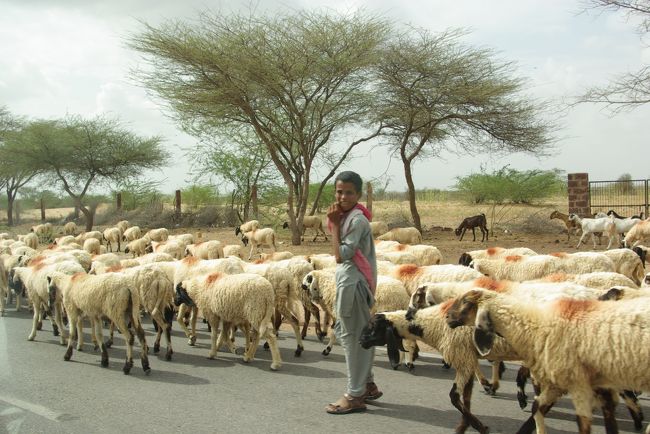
<point x="627" y="198"/>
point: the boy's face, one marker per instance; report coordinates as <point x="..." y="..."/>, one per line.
<point x="346" y="195"/>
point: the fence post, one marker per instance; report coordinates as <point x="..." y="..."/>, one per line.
<point x="42" y="210"/>
<point x="369" y="197"/>
<point x="119" y="202"/>
<point x="578" y="192"/>
<point x="177" y="203"/>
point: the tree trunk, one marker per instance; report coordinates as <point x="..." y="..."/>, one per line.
<point x="411" y="193"/>
<point x="89" y="217"/>
<point x="256" y="212"/>
<point x="10" y="211"/>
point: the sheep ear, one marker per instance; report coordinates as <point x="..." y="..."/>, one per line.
<point x="483" y="332"/>
<point x="392" y="347"/>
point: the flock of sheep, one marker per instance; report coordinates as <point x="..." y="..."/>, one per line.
<point x="551" y="312"/>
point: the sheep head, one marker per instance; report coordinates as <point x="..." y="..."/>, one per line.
<point x="182" y="297"/>
<point x="380" y="332"/>
<point x="310" y="284"/>
<point x="244" y="240"/>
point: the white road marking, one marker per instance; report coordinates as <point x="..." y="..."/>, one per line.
<point x="33" y="408"/>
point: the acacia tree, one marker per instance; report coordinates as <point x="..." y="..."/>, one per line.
<point x="14" y="172"/>
<point x="297" y="81"/>
<point x="238" y="159"/>
<point x="79" y="153"/>
<point x="436" y="95"/>
<point x="631" y="89"/>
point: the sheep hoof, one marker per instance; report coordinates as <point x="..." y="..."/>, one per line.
<point x="326" y="351"/>
<point x="156" y="348"/>
<point x="168" y="356"/>
<point x="109" y="343"/>
<point x="523" y="400"/>
<point x="191" y="341"/>
<point x="31" y="338"/>
<point x="239" y="351"/>
<point x="80" y="348"/>
<point x="39" y="325"/>
<point x="127" y="367"/>
<point x="321" y="336"/>
<point x="104" y="362"/>
<point x="410" y="367"/>
<point x="299" y="351"/>
<point x="145" y="366"/>
<point x="55" y="330"/>
<point x="96" y="347"/>
<point x="246" y="359"/>
<point x="147" y="371"/>
<point x="446" y="365"/>
<point x="490" y="390"/>
<point x="266" y="345"/>
<point x="275" y="366"/>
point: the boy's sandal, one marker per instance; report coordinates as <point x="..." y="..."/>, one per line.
<point x="346" y="404"/>
<point x="372" y="392"/>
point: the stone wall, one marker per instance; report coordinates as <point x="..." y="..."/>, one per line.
<point x="579" y="194"/>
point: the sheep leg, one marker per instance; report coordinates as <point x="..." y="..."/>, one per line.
<point x="214" y="334"/>
<point x="326" y="324"/>
<point x="330" y="342"/>
<point x="409" y="346"/>
<point x="162" y="324"/>
<point x="305" y="325"/>
<point x="193" y="317"/>
<point x="267" y="332"/>
<point x="169" y="317"/>
<point x="464" y="406"/>
<point x="487" y="386"/>
<point x="57" y="323"/>
<point x="97" y="325"/>
<point x="254" y="341"/>
<point x="296" y="330"/>
<point x="632" y="404"/>
<point x="121" y="324"/>
<point x="72" y="325"/>
<point x="474" y="233"/>
<point x="522" y="377"/>
<point x="542" y="404"/>
<point x="109" y="342"/>
<point x="462" y="234"/>
<point x="584" y="234"/>
<point x="608" y="405"/>
<point x="35" y="321"/>
<point x="139" y="331"/>
<point x="180" y="320"/>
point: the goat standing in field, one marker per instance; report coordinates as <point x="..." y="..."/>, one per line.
<point x="472" y="223"/>
<point x="570" y="224"/>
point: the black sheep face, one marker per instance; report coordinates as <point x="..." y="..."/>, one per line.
<point x="182" y="297"/>
<point x="285" y="225"/>
<point x="244" y="240"/>
<point x="374" y="334"/>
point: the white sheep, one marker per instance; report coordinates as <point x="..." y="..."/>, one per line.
<point x="70" y="228"/>
<point x="245" y="300"/>
<point x="597" y="279"/>
<point x="112" y="236"/>
<point x="107" y="295"/>
<point x="122" y="225"/>
<point x="413" y="276"/>
<point x="138" y="247"/>
<point x="275" y="256"/>
<point x="390" y="294"/>
<point x="310" y="222"/>
<point x="44" y="232"/>
<point x="628" y="263"/>
<point x="31" y="282"/>
<point x="212" y="249"/>
<point x="456" y="347"/>
<point x="590" y="226"/>
<point x="65" y="240"/>
<point x="259" y="238"/>
<point x="30" y="240"/>
<point x="132" y="234"/>
<point x="160" y="234"/>
<point x="251" y="225"/>
<point x="91" y="245"/>
<point x="103" y="261"/>
<point x="402" y="235"/>
<point x="87" y="235"/>
<point x="233" y="250"/>
<point x="286" y="295"/>
<point x="561" y="343"/>
<point x="397" y="258"/>
<point x="623" y="225"/>
<point x="494" y="253"/>
<point x="378" y="228"/>
<point x="640" y="232"/>
<point x="423" y="254"/>
<point x="5" y="235"/>
<point x="174" y="248"/>
<point x="322" y="261"/>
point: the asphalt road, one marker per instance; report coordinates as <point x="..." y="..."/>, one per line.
<point x="40" y="393"/>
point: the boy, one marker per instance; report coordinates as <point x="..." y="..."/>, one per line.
<point x="356" y="275"/>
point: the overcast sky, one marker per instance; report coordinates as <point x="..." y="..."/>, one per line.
<point x="70" y="56"/>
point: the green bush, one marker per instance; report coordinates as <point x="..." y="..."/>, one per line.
<point x="510" y="185"/>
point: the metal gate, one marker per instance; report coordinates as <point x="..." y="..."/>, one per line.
<point x="627" y="198"/>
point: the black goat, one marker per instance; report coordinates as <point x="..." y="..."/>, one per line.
<point x="471" y="223"/>
<point x="612" y="212"/>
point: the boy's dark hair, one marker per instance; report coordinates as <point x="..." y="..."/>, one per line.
<point x="352" y="178"/>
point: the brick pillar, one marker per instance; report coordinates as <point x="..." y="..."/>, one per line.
<point x="578" y="188"/>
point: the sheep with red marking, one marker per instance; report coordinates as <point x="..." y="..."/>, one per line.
<point x="402" y="235"/>
<point x="245" y="300"/>
<point x="597" y="279"/>
<point x="561" y="343"/>
<point x="456" y="347"/>
<point x="108" y="295"/>
<point x="494" y="253"/>
<point x="413" y="276"/>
